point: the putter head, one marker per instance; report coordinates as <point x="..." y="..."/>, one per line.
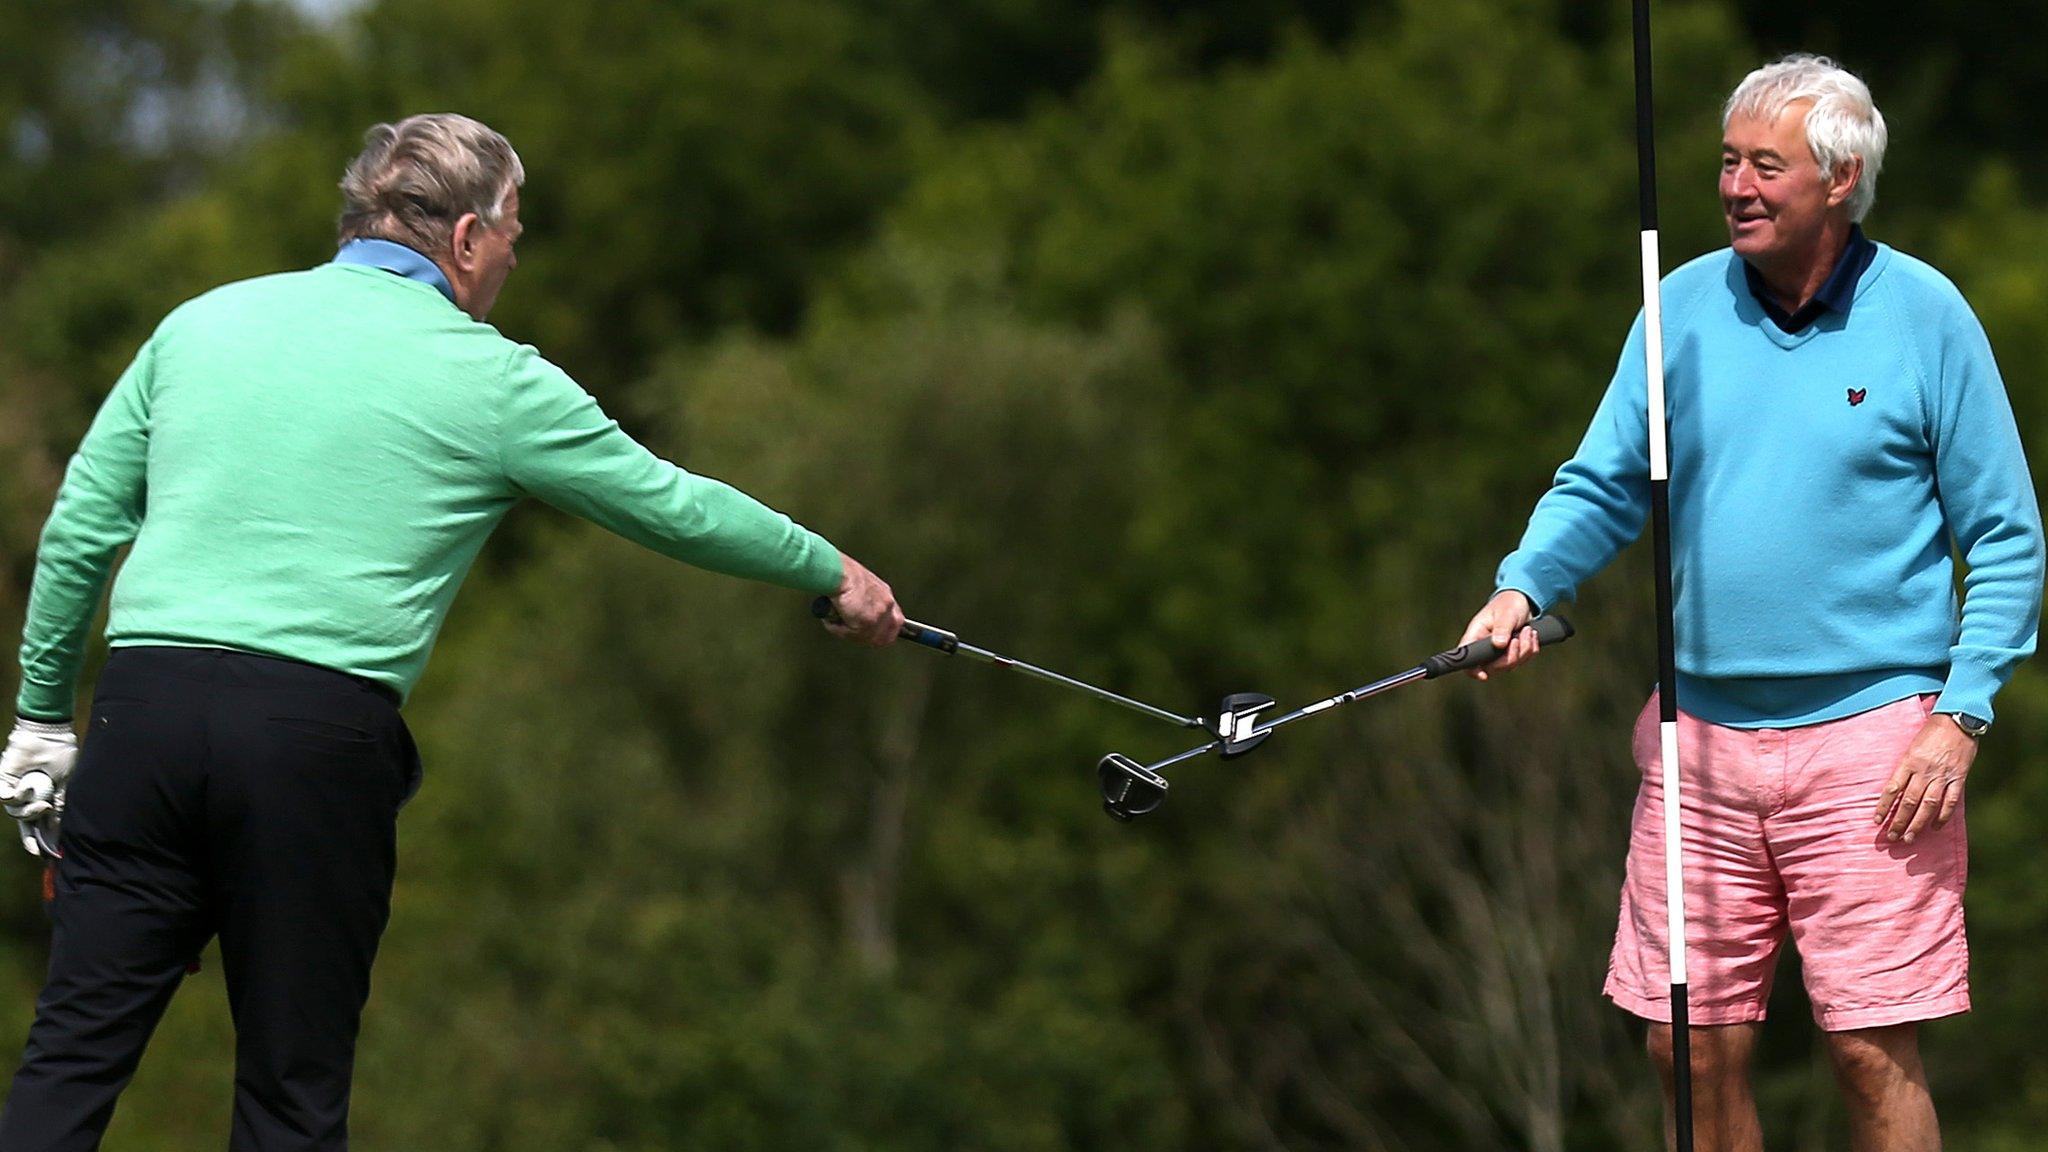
<point x="1235" y="719"/>
<point x="1129" y="789"/>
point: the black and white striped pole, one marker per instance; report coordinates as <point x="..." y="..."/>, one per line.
<point x="1660" y="528"/>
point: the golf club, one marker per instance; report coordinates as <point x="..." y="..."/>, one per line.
<point x="940" y="640"/>
<point x="1130" y="789"/>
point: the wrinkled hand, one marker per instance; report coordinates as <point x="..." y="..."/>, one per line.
<point x="1927" y="786"/>
<point x="1505" y="621"/>
<point x="33" y="773"/>
<point x="864" y="611"/>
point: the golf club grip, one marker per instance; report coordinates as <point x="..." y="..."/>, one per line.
<point x="937" y="639"/>
<point x="1549" y="630"/>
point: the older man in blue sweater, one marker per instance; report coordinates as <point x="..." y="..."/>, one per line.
<point x="1838" y="431"/>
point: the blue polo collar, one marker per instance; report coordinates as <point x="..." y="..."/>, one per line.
<point x="1834" y="296"/>
<point x="398" y="259"/>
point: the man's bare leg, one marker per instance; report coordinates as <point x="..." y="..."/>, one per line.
<point x="1723" y="1107"/>
<point x="1885" y="1089"/>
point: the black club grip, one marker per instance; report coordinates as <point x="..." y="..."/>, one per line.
<point x="1549" y="630"/>
<point x="937" y="639"/>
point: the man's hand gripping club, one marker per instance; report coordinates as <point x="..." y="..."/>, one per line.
<point x="864" y="611"/>
<point x="33" y="773"/>
<point x="1505" y="621"/>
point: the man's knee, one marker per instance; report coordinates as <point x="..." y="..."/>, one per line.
<point x="1718" y="1053"/>
<point x="1869" y="1062"/>
<point x="1660" y="1049"/>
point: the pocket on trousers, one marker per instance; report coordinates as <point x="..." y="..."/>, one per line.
<point x="327" y="730"/>
<point x="105" y="708"/>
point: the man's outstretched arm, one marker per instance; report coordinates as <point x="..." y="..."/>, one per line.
<point x="556" y="443"/>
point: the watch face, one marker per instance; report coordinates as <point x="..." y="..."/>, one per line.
<point x="1971" y="725"/>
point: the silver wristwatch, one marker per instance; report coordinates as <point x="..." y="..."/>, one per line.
<point x="1972" y="726"/>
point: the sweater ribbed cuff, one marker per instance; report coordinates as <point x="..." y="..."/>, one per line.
<point x="1969" y="690"/>
<point x="1541" y="580"/>
<point x="830" y="568"/>
<point x="43" y="702"/>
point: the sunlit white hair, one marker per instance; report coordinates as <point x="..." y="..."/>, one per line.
<point x="1843" y="121"/>
<point x="414" y="179"/>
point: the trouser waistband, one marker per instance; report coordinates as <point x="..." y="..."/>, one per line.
<point x="244" y="669"/>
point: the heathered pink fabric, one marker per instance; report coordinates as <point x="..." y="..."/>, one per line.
<point x="1780" y="835"/>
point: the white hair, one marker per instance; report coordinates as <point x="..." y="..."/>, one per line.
<point x="1842" y="123"/>
<point x="414" y="179"/>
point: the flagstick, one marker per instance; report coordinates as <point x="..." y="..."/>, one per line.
<point x="1660" y="520"/>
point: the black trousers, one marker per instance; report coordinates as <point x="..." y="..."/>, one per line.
<point x="218" y="794"/>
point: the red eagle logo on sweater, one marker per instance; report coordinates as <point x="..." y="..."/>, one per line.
<point x="1856" y="396"/>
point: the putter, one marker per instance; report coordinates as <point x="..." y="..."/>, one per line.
<point x="1230" y="720"/>
<point x="1131" y="789"/>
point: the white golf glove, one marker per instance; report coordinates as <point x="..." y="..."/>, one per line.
<point x="33" y="772"/>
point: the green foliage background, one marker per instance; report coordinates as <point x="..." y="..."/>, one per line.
<point x="1190" y="346"/>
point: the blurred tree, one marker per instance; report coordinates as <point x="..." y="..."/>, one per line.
<point x="777" y="924"/>
<point x="1946" y="76"/>
<point x="1365" y="262"/>
<point x="106" y="109"/>
<point x="1192" y="347"/>
<point x="112" y="104"/>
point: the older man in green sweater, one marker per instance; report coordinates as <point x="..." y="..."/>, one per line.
<point x="304" y="466"/>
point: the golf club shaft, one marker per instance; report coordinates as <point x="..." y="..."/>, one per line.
<point x="1372" y="689"/>
<point x="940" y="640"/>
<point x="1052" y="677"/>
<point x="1549" y="630"/>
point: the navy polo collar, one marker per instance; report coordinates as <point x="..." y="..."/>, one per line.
<point x="398" y="259"/>
<point x="1834" y="296"/>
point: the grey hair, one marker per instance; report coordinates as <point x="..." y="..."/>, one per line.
<point x="1842" y="123"/>
<point x="414" y="179"/>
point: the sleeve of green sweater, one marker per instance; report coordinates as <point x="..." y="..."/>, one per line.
<point x="98" y="512"/>
<point x="558" y="445"/>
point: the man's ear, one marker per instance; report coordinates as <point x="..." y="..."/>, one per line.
<point x="1847" y="175"/>
<point x="462" y="241"/>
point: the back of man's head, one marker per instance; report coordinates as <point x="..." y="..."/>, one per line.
<point x="414" y="179"/>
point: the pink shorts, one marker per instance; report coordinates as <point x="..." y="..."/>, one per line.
<point x="1780" y="834"/>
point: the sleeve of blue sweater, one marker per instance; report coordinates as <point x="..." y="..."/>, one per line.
<point x="1987" y="498"/>
<point x="1599" y="500"/>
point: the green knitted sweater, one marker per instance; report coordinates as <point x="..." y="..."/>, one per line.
<point x="307" y="464"/>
